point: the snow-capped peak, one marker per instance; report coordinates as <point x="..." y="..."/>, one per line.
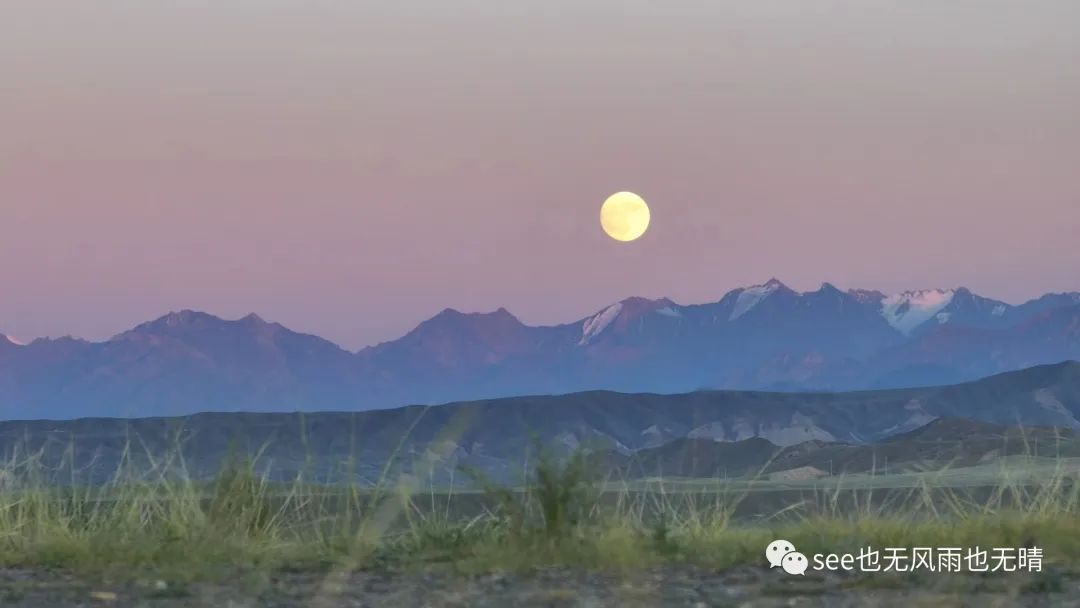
<point x="910" y="309"/>
<point x="752" y="296"/>
<point x="15" y="341"/>
<point x="599" y="322"/>
<point x="623" y="313"/>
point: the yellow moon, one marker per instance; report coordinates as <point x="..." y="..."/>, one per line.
<point x="624" y="216"/>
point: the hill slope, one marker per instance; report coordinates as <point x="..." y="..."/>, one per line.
<point x="497" y="434"/>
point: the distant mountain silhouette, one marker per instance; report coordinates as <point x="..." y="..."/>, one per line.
<point x="708" y="433"/>
<point x="765" y="337"/>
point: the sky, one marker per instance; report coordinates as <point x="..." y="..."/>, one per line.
<point x="351" y="168"/>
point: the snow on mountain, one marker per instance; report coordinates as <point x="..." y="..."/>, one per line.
<point x="599" y="322"/>
<point x="823" y="341"/>
<point x="910" y="309"/>
<point x="751" y="297"/>
<point x="866" y="296"/>
<point x="14" y="340"/>
<point x="624" y="314"/>
<point x="668" y="311"/>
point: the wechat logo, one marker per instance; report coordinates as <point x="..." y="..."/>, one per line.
<point x="783" y="554"/>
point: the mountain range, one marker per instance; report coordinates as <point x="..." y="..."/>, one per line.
<point x="701" y="434"/>
<point x="763" y="337"/>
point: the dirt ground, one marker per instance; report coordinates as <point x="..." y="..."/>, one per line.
<point x="662" y="587"/>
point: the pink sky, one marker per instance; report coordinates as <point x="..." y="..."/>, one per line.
<point x="350" y="168"/>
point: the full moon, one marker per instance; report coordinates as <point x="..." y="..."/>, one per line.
<point x="624" y="216"/>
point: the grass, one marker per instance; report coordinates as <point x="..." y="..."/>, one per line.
<point x="160" y="522"/>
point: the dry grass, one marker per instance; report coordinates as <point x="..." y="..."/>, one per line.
<point x="161" y="521"/>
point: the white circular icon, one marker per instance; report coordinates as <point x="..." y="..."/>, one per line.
<point x="795" y="563"/>
<point x="776" y="551"/>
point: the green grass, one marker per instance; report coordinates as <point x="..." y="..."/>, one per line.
<point x="162" y="523"/>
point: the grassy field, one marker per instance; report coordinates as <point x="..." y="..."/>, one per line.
<point x="161" y="523"/>
<point x="1011" y="470"/>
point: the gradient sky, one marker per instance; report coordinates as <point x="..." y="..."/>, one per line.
<point x="351" y="168"/>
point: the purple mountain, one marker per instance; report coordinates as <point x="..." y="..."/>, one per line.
<point x="763" y="337"/>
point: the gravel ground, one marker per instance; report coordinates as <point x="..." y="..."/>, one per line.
<point x="664" y="587"/>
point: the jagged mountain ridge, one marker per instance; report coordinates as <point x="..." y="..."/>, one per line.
<point x="766" y="337"/>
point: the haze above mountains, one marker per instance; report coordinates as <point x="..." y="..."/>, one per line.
<point x="765" y="337"/>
